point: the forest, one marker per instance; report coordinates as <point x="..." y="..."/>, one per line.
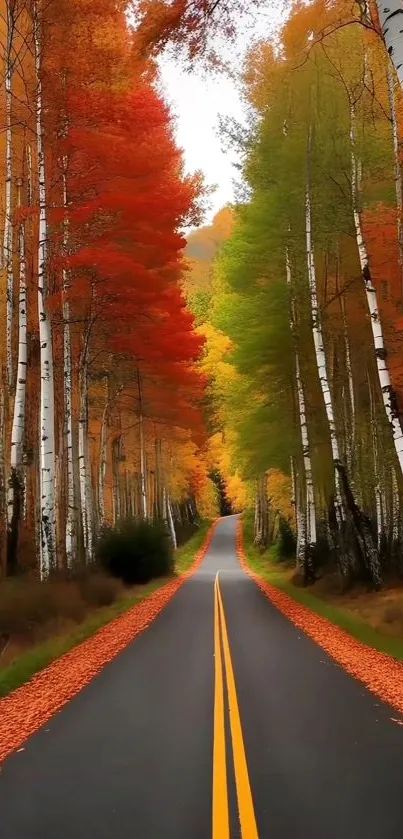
<point x="100" y="391"/>
<point x="303" y="314"/>
<point x="254" y="363"/>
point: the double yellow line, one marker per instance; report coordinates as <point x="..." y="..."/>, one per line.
<point x="221" y="824"/>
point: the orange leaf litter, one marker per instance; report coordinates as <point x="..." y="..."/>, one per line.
<point x="381" y="674"/>
<point x="28" y="708"/>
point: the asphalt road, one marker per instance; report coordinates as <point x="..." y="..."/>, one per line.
<point x="137" y="754"/>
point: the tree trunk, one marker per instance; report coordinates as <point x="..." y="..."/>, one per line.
<point x="170" y="520"/>
<point x="395" y="517"/>
<point x="86" y="499"/>
<point x="262" y="522"/>
<point x="3" y="489"/>
<point x="343" y="557"/>
<point x="307" y="542"/>
<point x="159" y="480"/>
<point x="361" y="525"/>
<point x="47" y="424"/>
<point x="115" y="470"/>
<point x="388" y="394"/>
<point x="143" y="461"/>
<point x="16" y="482"/>
<point x="103" y="455"/>
<point x="71" y="515"/>
<point x="398" y="168"/>
<point x="8" y="220"/>
<point x="391" y="21"/>
<point x="378" y="491"/>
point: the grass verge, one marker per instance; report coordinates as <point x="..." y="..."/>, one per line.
<point x="270" y="568"/>
<point x="41" y="655"/>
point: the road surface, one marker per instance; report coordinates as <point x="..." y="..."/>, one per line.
<point x="149" y="749"/>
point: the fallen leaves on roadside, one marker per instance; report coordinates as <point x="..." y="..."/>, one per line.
<point x="380" y="673"/>
<point x="28" y="708"/>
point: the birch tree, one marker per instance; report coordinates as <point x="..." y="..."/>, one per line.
<point x="86" y="494"/>
<point x="46" y="420"/>
<point x="391" y="21"/>
<point x="306" y="518"/>
<point x="11" y="16"/>
<point x="16" y="481"/>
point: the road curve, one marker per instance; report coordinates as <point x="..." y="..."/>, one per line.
<point x="166" y="744"/>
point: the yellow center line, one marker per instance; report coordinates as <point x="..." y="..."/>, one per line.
<point x="244" y="793"/>
<point x="220" y="791"/>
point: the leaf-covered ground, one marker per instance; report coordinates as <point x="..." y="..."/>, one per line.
<point x="380" y="673"/>
<point x="25" y="710"/>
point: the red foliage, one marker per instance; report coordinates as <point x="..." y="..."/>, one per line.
<point x="380" y="234"/>
<point x="126" y="209"/>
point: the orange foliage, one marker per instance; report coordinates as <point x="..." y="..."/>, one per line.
<point x="380" y="673"/>
<point x="27" y="709"/>
<point x="380" y="234"/>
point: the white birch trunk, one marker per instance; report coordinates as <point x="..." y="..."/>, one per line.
<point x="300" y="517"/>
<point x="70" y="534"/>
<point x="83" y="460"/>
<point x="117" y="507"/>
<point x="171" y="523"/>
<point x="310" y="529"/>
<point x="320" y="349"/>
<point x="398" y="168"/>
<point x="29" y="175"/>
<point x="377" y="490"/>
<point x="47" y="430"/>
<point x="310" y="495"/>
<point x="3" y="488"/>
<point x="16" y="488"/>
<point x="391" y="20"/>
<point x="350" y="377"/>
<point x="379" y="345"/>
<point x="8" y="226"/>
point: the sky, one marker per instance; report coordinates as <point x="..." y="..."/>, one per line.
<point x="197" y="103"/>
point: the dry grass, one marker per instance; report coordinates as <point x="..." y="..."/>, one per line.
<point x="31" y="611"/>
<point x="382" y="610"/>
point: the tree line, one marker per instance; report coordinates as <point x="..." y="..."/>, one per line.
<point x="100" y="394"/>
<point x="306" y="300"/>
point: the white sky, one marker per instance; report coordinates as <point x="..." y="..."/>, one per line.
<point x="197" y="102"/>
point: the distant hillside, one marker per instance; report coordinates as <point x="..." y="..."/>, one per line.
<point x="202" y="248"/>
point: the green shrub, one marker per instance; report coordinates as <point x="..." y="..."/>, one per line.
<point x="287" y="541"/>
<point x="136" y="551"/>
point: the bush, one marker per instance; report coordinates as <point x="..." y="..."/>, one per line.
<point x="26" y="604"/>
<point x="287" y="540"/>
<point x="99" y="589"/>
<point x="136" y="551"/>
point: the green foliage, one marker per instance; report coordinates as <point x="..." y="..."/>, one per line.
<point x="199" y="304"/>
<point x="136" y="551"/>
<point x="286" y="540"/>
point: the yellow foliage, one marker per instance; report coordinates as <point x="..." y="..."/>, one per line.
<point x="279" y="491"/>
<point x="207" y="501"/>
